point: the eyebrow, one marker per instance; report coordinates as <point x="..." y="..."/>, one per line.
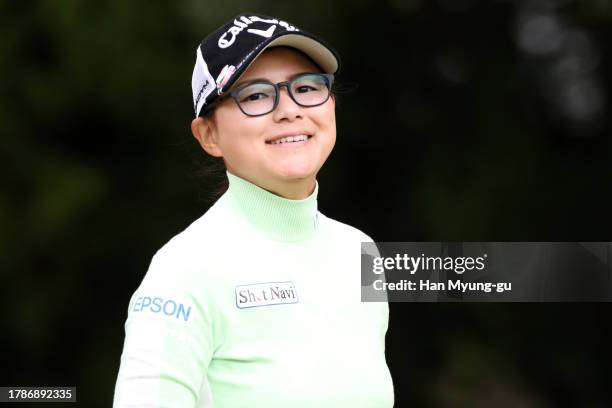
<point x="250" y="81"/>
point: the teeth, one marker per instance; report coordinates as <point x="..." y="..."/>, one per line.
<point x="290" y="139"/>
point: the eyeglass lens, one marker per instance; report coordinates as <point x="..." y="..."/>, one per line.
<point x="307" y="90"/>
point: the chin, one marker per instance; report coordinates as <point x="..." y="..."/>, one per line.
<point x="298" y="172"/>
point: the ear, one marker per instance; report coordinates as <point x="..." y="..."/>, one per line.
<point x="205" y="132"/>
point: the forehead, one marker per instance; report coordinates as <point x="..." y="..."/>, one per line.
<point x="279" y="63"/>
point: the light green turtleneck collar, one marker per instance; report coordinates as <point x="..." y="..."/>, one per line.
<point x="279" y="218"/>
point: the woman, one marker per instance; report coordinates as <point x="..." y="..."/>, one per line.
<point x="257" y="303"/>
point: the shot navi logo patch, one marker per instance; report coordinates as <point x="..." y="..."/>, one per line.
<point x="265" y="294"/>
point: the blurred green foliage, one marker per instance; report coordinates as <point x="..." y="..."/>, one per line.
<point x="457" y="129"/>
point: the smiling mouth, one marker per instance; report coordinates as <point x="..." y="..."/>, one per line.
<point x="289" y="139"/>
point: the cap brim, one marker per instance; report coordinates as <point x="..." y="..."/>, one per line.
<point x="309" y="46"/>
<point x="314" y="48"/>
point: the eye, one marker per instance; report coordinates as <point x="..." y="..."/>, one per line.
<point x="309" y="83"/>
<point x="256" y="92"/>
<point x="306" y="88"/>
<point x="254" y="97"/>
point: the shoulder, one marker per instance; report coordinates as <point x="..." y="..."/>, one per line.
<point x="342" y="229"/>
<point x="348" y="236"/>
<point x="193" y="252"/>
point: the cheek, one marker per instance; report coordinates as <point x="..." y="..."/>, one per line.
<point x="328" y="123"/>
<point x="330" y="112"/>
<point x="237" y="133"/>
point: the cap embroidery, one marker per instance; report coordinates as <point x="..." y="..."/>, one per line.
<point x="200" y="94"/>
<point x="264" y="33"/>
<point x="224" y="76"/>
<point x="238" y="26"/>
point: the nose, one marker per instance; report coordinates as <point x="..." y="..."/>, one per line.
<point x="286" y="109"/>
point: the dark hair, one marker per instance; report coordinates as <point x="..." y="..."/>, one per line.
<point x="211" y="172"/>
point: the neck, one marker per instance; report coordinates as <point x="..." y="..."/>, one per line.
<point x="280" y="218"/>
<point x="294" y="190"/>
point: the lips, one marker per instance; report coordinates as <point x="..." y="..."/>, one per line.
<point x="289" y="138"/>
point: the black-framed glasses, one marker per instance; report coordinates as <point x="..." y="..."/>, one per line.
<point x="261" y="97"/>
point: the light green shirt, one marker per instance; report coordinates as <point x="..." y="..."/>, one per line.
<point x="256" y="304"/>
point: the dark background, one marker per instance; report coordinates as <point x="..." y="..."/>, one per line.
<point x="469" y="120"/>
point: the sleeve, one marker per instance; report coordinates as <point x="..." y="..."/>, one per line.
<point x="168" y="341"/>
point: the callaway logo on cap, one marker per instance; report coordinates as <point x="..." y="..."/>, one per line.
<point x="224" y="55"/>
